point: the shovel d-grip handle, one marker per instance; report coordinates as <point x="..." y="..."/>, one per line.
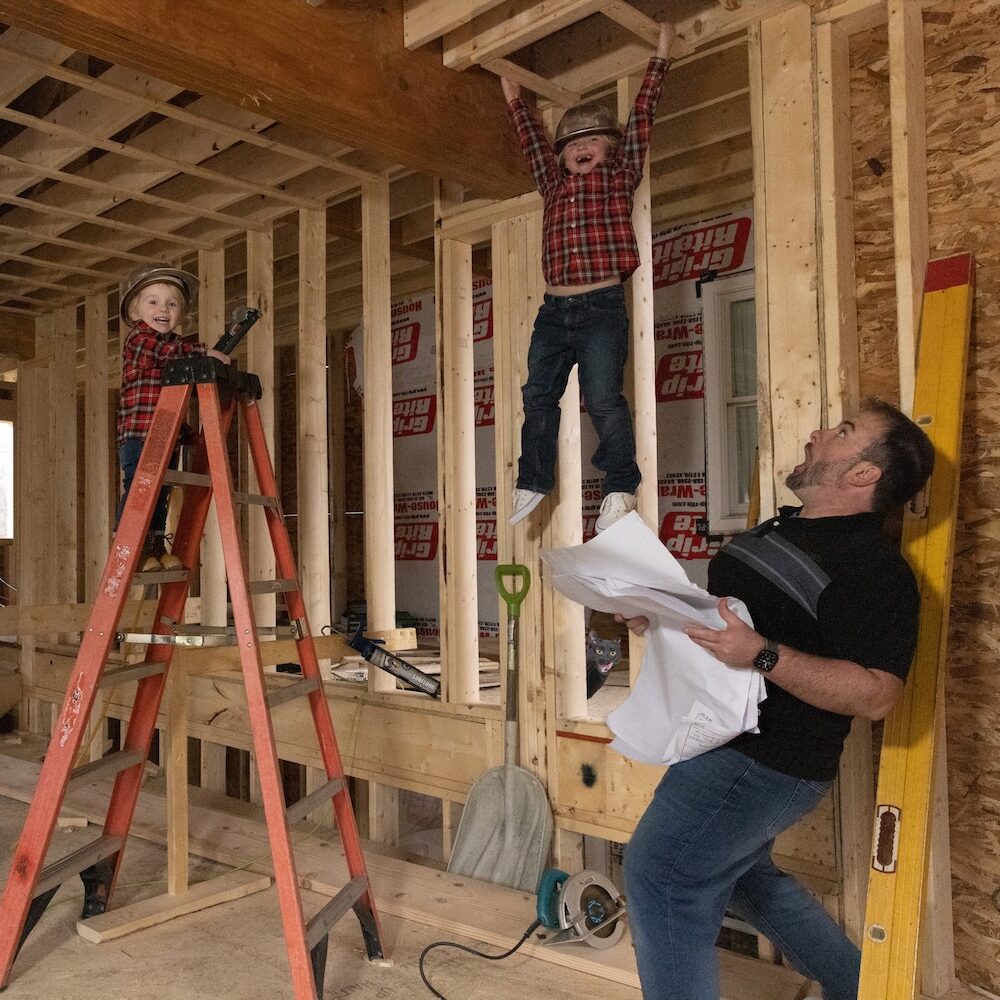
<point x="522" y="581"/>
<point x="512" y="598"/>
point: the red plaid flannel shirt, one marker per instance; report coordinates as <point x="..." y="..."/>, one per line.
<point x="143" y="357"/>
<point x="587" y="221"/>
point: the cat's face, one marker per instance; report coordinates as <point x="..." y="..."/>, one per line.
<point x="603" y="653"/>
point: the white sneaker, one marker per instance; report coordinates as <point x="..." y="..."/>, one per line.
<point x="613" y="508"/>
<point x="525" y="501"/>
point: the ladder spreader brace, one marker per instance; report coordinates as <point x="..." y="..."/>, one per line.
<point x="221" y="392"/>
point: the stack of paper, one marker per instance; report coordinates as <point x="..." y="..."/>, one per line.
<point x="685" y="701"/>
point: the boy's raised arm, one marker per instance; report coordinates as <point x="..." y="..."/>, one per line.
<point x="511" y="90"/>
<point x="668" y="33"/>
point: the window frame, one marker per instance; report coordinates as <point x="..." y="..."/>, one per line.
<point x="724" y="515"/>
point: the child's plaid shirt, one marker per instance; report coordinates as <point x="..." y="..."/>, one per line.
<point x="145" y="353"/>
<point x="587" y="222"/>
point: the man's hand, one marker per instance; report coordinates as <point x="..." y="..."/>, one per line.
<point x="735" y="645"/>
<point x="511" y="90"/>
<point x="668" y="33"/>
<point x="638" y="624"/>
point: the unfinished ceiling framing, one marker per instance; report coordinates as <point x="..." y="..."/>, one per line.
<point x="103" y="165"/>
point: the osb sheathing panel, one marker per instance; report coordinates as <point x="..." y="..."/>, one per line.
<point x="962" y="39"/>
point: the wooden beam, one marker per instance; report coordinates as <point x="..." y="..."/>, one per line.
<point x="317" y="69"/>
<point x="211" y="317"/>
<point x="59" y="241"/>
<point x="788" y="369"/>
<point x="146" y="156"/>
<point x="457" y="503"/>
<point x="510" y="27"/>
<point x="310" y="382"/>
<point x="425" y="20"/>
<point x="97" y="445"/>
<point x="836" y="203"/>
<point x="380" y="565"/>
<point x="260" y="361"/>
<point x="250" y="136"/>
<point x="909" y="182"/>
<point x="122" y="193"/>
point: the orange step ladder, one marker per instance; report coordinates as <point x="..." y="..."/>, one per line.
<point x="221" y="392"/>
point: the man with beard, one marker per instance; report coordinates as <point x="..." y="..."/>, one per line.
<point x="835" y="611"/>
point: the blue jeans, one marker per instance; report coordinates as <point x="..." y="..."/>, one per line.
<point x="590" y="330"/>
<point x="128" y="459"/>
<point x="704" y="844"/>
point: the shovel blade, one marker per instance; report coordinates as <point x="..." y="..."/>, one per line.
<point x="505" y="830"/>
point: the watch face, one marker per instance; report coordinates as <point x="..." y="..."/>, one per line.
<point x="765" y="660"/>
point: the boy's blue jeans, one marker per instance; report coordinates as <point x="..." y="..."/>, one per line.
<point x="704" y="844"/>
<point x="590" y="330"/>
<point x="128" y="458"/>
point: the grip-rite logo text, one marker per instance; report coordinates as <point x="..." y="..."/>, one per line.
<point x="405" y="341"/>
<point x="413" y="416"/>
<point x="679" y="375"/>
<point x="416" y="540"/>
<point x="682" y="256"/>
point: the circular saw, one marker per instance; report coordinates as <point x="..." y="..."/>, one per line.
<point x="583" y="907"/>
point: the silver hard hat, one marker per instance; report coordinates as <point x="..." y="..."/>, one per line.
<point x="586" y="119"/>
<point x="151" y="274"/>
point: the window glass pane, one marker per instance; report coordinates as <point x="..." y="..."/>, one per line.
<point x="746" y="445"/>
<point x="743" y="355"/>
<point x="6" y="479"/>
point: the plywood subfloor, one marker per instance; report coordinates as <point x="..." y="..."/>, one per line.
<point x="446" y="906"/>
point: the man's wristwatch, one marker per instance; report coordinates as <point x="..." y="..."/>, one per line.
<point x="766" y="659"/>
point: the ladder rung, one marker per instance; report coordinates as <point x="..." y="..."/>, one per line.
<point x="278" y="696"/>
<point x="257" y="499"/>
<point x="120" y="760"/>
<point x="321" y="922"/>
<point x="159" y="576"/>
<point x="272" y="586"/>
<point x="176" y="477"/>
<point x="305" y="805"/>
<point x="133" y="672"/>
<point x="97" y="850"/>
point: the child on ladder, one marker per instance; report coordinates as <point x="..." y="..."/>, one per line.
<point x="588" y="249"/>
<point x="155" y="302"/>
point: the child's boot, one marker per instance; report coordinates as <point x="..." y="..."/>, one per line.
<point x="167" y="559"/>
<point x="149" y="558"/>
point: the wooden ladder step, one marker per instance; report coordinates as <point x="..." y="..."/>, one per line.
<point x="273" y="586"/>
<point x="113" y="763"/>
<point x="278" y="696"/>
<point x="90" y="854"/>
<point x="320" y="923"/>
<point x="133" y="672"/>
<point x="305" y="805"/>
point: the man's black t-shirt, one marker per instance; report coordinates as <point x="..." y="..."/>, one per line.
<point x="868" y="613"/>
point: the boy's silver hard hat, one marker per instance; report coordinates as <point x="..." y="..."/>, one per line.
<point x="586" y="119"/>
<point x="151" y="274"/>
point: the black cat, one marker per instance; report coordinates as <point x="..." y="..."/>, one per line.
<point x="602" y="655"/>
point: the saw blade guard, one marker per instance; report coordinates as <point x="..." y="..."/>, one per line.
<point x="589" y="903"/>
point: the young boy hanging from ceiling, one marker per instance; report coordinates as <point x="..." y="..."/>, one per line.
<point x="588" y="250"/>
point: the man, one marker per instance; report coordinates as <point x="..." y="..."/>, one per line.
<point x="835" y="612"/>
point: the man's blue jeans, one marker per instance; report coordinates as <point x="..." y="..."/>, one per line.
<point x="704" y="844"/>
<point x="592" y="330"/>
